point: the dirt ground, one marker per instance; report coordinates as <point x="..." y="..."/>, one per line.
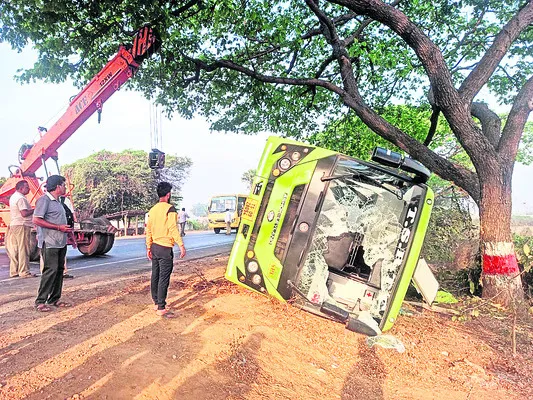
<point x="229" y="343"/>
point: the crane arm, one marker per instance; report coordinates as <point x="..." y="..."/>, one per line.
<point x="114" y="74"/>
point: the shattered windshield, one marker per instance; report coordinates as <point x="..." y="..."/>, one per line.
<point x="356" y="236"/>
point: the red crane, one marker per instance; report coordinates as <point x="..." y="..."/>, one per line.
<point x="93" y="237"/>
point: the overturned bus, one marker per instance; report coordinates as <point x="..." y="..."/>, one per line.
<point x="337" y="236"/>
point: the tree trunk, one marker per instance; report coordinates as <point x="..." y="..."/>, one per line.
<point x="501" y="276"/>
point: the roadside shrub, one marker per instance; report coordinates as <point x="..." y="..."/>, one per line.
<point x="452" y="238"/>
<point x="197" y="225"/>
<point x="523" y="246"/>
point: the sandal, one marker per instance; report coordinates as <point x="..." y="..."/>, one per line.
<point x="42" y="308"/>
<point x="166" y="314"/>
<point x="29" y="276"/>
<point x="68" y="276"/>
<point x="61" y="304"/>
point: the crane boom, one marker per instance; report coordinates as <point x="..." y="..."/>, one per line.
<point x="93" y="236"/>
<point x="91" y="99"/>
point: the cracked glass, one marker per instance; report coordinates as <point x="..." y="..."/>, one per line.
<point x="352" y="261"/>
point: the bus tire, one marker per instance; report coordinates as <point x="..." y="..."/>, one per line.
<point x="217" y="230"/>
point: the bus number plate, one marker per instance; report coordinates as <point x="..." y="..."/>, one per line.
<point x="249" y="209"/>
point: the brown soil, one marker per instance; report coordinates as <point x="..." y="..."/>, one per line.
<point x="229" y="343"/>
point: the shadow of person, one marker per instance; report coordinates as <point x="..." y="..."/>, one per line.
<point x="230" y="377"/>
<point x="366" y="378"/>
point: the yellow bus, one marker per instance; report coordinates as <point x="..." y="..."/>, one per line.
<point x="217" y="210"/>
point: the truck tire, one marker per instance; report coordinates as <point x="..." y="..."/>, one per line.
<point x="109" y="242"/>
<point x="95" y="246"/>
<point x="217" y="230"/>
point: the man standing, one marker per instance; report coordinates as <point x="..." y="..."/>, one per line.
<point x="227" y="218"/>
<point x="19" y="234"/>
<point x="51" y="221"/>
<point x="161" y="235"/>
<point x="182" y="220"/>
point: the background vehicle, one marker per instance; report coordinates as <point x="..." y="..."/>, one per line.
<point x="92" y="236"/>
<point x="217" y="210"/>
<point x="339" y="235"/>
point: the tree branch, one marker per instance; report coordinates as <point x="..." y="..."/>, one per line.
<point x="446" y="97"/>
<point x="190" y="4"/>
<point x="458" y="174"/>
<point x="228" y="64"/>
<point x="514" y="127"/>
<point x="433" y="127"/>
<point x="491" y="124"/>
<point x="494" y="55"/>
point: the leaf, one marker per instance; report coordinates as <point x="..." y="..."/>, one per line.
<point x="526" y="249"/>
<point x="475" y="313"/>
<point x="445" y="298"/>
<point x="472" y="287"/>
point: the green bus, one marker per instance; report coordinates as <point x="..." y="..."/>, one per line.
<point x="337" y="236"/>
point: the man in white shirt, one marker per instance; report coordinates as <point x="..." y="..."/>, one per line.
<point x="182" y="220"/>
<point x="19" y="234"/>
<point x="227" y="218"/>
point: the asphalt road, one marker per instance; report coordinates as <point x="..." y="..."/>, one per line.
<point x="127" y="256"/>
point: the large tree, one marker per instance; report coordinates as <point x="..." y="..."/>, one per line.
<point x="106" y="182"/>
<point x="290" y="66"/>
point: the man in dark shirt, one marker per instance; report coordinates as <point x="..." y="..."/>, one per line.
<point x="51" y="221"/>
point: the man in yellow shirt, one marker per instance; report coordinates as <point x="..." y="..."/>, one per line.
<point x="161" y="235"/>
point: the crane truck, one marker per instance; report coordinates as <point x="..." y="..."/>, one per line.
<point x="92" y="236"/>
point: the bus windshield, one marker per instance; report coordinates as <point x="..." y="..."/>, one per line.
<point x="357" y="233"/>
<point x="221" y="203"/>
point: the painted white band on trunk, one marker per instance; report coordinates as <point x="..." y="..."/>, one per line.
<point x="499" y="248"/>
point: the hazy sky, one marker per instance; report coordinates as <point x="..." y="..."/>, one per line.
<point x="219" y="159"/>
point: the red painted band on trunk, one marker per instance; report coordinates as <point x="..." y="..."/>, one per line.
<point x="500" y="265"/>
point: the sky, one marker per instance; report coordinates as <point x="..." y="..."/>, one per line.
<point x="219" y="159"/>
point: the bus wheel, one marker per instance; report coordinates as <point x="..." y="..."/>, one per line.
<point x="217" y="230"/>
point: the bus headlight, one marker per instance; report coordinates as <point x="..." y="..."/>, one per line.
<point x="284" y="164"/>
<point x="256" y="279"/>
<point x="253" y="267"/>
<point x="295" y="156"/>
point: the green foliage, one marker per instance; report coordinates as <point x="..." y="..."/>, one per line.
<point x="444" y="297"/>
<point x="450" y="227"/>
<point x="523" y="247"/>
<point x="198" y="224"/>
<point x="107" y="182"/>
<point x="2" y="180"/>
<point x="272" y="38"/>
<point x="199" y="209"/>
<point x="248" y="178"/>
<point x="525" y="152"/>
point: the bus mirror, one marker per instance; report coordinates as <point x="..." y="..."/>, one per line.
<point x="156" y="159"/>
<point x="396" y="160"/>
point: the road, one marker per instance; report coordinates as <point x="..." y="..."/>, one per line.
<point x="127" y="256"/>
